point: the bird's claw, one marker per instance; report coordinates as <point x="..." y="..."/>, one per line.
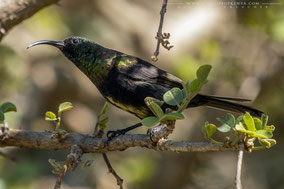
<point x="112" y="134"/>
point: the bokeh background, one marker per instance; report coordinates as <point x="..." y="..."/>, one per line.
<point x="243" y="44"/>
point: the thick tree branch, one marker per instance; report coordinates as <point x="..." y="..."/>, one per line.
<point x="12" y="12"/>
<point x="90" y="144"/>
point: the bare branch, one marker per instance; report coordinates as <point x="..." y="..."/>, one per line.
<point x="13" y="12"/>
<point x="238" y="182"/>
<point x="89" y="144"/>
<point x="162" y="38"/>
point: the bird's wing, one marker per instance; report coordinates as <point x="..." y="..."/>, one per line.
<point x="140" y="70"/>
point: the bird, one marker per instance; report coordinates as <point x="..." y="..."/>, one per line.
<point x="125" y="81"/>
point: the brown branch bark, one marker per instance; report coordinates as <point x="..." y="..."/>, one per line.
<point x="13" y="12"/>
<point x="90" y="144"/>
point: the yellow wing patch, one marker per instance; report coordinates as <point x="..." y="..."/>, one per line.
<point x="140" y="112"/>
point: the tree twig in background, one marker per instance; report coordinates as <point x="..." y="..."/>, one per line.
<point x="112" y="171"/>
<point x="12" y="12"/>
<point x="162" y="38"/>
<point x="238" y="182"/>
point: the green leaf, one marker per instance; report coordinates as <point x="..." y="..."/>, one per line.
<point x="249" y="122"/>
<point x="240" y="127"/>
<point x="224" y="128"/>
<point x="262" y="134"/>
<point x="269" y="128"/>
<point x="8" y="107"/>
<point x="174" y="96"/>
<point x="267" y="143"/>
<point x="264" y="143"/>
<point x="156" y="109"/>
<point x="103" y="123"/>
<point x="57" y="165"/>
<point x="150" y="121"/>
<point x="239" y="119"/>
<point x="209" y="129"/>
<point x="264" y="120"/>
<point x="173" y="116"/>
<point x="203" y="72"/>
<point x="65" y="106"/>
<point x="257" y="123"/>
<point x="229" y="120"/>
<point x="104" y="109"/>
<point x="194" y="86"/>
<point x="50" y="116"/>
<point x="2" y="116"/>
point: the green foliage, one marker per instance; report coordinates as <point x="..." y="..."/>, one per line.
<point x="64" y="107"/>
<point x="6" y="107"/>
<point x="102" y="119"/>
<point x="176" y="97"/>
<point x="57" y="166"/>
<point x="208" y="130"/>
<point x="50" y="116"/>
<point x="249" y="127"/>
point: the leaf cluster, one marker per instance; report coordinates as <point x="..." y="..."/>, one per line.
<point x="246" y="128"/>
<point x="50" y="116"/>
<point x="176" y="97"/>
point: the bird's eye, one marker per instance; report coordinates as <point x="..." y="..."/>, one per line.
<point x="75" y="41"/>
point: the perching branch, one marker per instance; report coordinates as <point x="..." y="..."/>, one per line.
<point x="162" y="38"/>
<point x="90" y="144"/>
<point x="238" y="182"/>
<point x="13" y="12"/>
<point x="161" y="131"/>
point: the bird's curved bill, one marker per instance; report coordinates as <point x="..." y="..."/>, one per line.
<point x="58" y="44"/>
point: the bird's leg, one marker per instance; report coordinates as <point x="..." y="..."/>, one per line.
<point x="113" y="134"/>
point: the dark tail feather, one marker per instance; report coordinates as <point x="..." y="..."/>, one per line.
<point x="224" y="103"/>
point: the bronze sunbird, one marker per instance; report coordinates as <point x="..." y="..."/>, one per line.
<point x="125" y="81"/>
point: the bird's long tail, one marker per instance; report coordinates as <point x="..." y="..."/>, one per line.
<point x="224" y="103"/>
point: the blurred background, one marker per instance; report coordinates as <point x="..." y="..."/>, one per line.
<point x="243" y="44"/>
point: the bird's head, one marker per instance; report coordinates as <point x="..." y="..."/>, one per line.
<point x="77" y="49"/>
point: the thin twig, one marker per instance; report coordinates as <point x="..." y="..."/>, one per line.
<point x="238" y="182"/>
<point x="161" y="38"/>
<point x="62" y="173"/>
<point x="99" y="132"/>
<point x="71" y="162"/>
<point x="112" y="171"/>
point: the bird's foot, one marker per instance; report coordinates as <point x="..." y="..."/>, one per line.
<point x="112" y="134"/>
